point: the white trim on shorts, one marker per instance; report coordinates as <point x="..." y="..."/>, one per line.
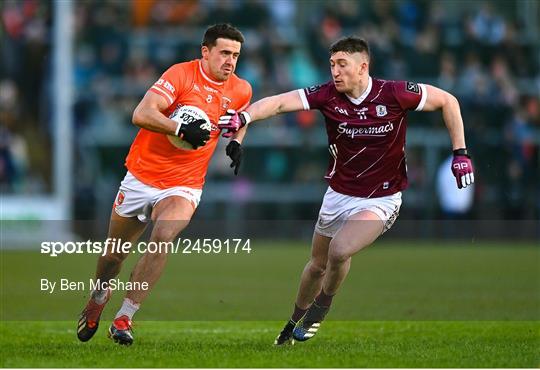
<point x="337" y="208"/>
<point x="134" y="198"/>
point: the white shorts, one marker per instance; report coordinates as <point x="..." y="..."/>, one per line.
<point x="337" y="208"/>
<point x="135" y="198"/>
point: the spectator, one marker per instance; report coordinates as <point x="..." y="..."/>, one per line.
<point x="488" y="60"/>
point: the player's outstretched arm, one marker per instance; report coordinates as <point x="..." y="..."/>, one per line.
<point x="236" y="122"/>
<point x="461" y="164"/>
<point x="148" y="115"/>
<point x="267" y="107"/>
<point x="272" y="105"/>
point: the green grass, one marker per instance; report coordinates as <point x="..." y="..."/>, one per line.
<point x="387" y="282"/>
<point x="248" y="344"/>
<point x="402" y="305"/>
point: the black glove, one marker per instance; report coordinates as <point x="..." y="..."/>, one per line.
<point x="194" y="134"/>
<point x="234" y="151"/>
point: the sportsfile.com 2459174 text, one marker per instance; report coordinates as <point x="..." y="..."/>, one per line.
<point x="182" y="246"/>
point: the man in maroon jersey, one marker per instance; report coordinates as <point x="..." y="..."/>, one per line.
<point x="366" y="120"/>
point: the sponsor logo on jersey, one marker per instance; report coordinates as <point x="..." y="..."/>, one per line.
<point x="196" y="87"/>
<point x="361" y="112"/>
<point x="312" y="89"/>
<point x="413" y="87"/>
<point x="353" y="132"/>
<point x="381" y="110"/>
<point x="341" y="110"/>
<point x="166" y="84"/>
<point x="208" y="88"/>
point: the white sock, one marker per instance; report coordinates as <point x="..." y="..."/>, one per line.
<point x="128" y="309"/>
<point x="99" y="296"/>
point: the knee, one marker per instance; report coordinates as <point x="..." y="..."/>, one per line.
<point x="316" y="268"/>
<point x="115" y="258"/>
<point x="166" y="231"/>
<point x="338" y="252"/>
<point x="164" y="235"/>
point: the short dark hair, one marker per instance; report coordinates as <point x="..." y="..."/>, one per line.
<point x="349" y="45"/>
<point x="221" y="30"/>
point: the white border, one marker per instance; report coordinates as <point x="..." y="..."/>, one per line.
<point x="423" y="99"/>
<point x="163" y="91"/>
<point x="303" y="97"/>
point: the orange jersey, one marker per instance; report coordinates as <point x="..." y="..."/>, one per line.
<point x="152" y="158"/>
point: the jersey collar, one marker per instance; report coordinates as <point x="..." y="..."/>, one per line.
<point x="206" y="77"/>
<point x="364" y="94"/>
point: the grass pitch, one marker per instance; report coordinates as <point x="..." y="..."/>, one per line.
<point x="403" y="305"/>
<point x="249" y="344"/>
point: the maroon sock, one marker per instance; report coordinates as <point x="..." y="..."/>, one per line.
<point x="298" y="313"/>
<point x="324" y="299"/>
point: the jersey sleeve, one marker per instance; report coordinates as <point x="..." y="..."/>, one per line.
<point x="410" y="95"/>
<point x="314" y="97"/>
<point x="171" y="84"/>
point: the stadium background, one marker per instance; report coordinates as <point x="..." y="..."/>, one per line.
<point x="71" y="73"/>
<point x="486" y="53"/>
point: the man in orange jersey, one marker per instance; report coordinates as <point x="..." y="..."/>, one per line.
<point x="164" y="181"/>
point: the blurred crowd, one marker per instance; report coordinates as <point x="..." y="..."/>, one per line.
<point x="482" y="52"/>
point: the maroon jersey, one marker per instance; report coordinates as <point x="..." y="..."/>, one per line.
<point x="366" y="136"/>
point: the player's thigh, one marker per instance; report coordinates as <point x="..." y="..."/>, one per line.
<point x="360" y="230"/>
<point x="171" y="215"/>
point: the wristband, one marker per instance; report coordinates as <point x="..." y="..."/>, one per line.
<point x="247" y="117"/>
<point x="461" y="151"/>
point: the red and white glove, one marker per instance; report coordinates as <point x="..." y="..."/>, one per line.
<point x="462" y="168"/>
<point x="233" y="121"/>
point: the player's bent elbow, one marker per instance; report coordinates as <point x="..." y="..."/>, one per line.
<point x="137" y="119"/>
<point x="453" y="99"/>
<point x="439" y="99"/>
<point x="450" y="100"/>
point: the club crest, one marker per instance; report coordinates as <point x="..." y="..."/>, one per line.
<point x="120" y="198"/>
